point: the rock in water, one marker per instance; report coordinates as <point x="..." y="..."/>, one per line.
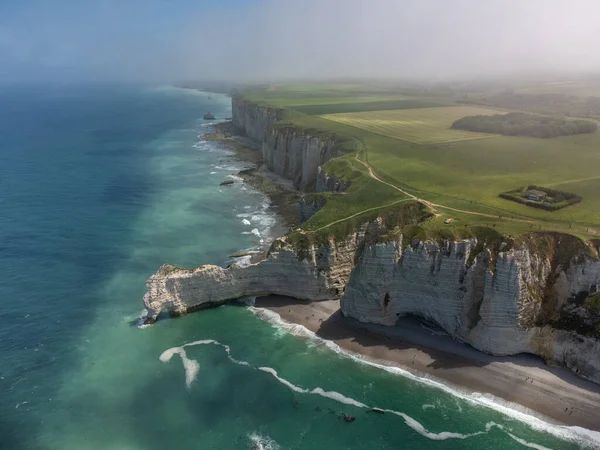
<point x="226" y="183"/>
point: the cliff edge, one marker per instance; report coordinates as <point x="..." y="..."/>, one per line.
<point x="532" y="294"/>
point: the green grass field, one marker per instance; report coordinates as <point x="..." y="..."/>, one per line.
<point x="415" y="150"/>
<point x="362" y="106"/>
<point x="419" y="126"/>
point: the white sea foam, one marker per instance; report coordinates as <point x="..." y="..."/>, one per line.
<point x="316" y="391"/>
<point x="283" y="381"/>
<point x="491" y="425"/>
<point x="141" y="318"/>
<point x="246" y="222"/>
<point x="260" y="442"/>
<point x="255" y="232"/>
<point x="213" y="172"/>
<point x="428" y="406"/>
<point x="266" y="220"/>
<point x="581" y="436"/>
<point x="248" y="301"/>
<point x="243" y="261"/>
<point x="235" y="177"/>
<point x="338" y="397"/>
<point x="191" y="368"/>
<point x="247" y="207"/>
<point x="419" y="428"/>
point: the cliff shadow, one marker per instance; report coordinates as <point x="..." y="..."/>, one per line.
<point x="395" y="344"/>
<point x="413" y="344"/>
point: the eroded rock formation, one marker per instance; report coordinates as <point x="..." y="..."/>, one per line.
<point x="503" y="301"/>
<point x="492" y="303"/>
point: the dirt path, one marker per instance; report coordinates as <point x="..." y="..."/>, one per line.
<point x="359" y="213"/>
<point x="433" y="206"/>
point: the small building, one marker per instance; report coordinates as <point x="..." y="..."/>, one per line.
<point x="536" y="195"/>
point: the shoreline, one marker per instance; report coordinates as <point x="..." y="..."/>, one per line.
<point x="282" y="195"/>
<point x="554" y="395"/>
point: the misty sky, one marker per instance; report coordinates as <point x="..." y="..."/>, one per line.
<point x="163" y="40"/>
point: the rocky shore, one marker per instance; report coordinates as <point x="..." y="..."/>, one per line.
<point x="285" y="200"/>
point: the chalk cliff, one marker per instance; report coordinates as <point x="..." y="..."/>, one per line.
<point x="498" y="304"/>
<point x="296" y="155"/>
<point x="504" y="304"/>
<point x="251" y="119"/>
<point x="319" y="273"/>
<point x="526" y="295"/>
<point x="286" y="150"/>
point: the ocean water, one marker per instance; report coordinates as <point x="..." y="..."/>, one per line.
<point x="98" y="187"/>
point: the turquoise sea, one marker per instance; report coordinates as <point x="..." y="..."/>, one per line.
<point x="100" y="185"/>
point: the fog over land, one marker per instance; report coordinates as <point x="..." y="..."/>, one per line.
<point x="271" y="39"/>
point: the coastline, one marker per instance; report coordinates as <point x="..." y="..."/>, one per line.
<point x="282" y="195"/>
<point x="554" y="395"/>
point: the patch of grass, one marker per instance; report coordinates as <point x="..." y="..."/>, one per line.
<point x="382" y="105"/>
<point x="419" y="126"/>
<point x="592" y="303"/>
<point x="364" y="195"/>
<point x="463" y="174"/>
<point x="476" y="171"/>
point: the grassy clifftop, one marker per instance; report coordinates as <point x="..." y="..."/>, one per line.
<point x="399" y="148"/>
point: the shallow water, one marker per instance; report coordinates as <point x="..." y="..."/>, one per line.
<point x="100" y="186"/>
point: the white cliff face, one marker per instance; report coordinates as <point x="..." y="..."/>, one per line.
<point x="295" y="155"/>
<point x="287" y="151"/>
<point x="496" y="311"/>
<point x="513" y="302"/>
<point x="320" y="274"/>
<point x="251" y="119"/>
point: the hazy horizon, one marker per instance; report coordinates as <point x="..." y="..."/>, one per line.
<point x="245" y="40"/>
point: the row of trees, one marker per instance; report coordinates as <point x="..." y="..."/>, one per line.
<point x="525" y="124"/>
<point x="549" y="103"/>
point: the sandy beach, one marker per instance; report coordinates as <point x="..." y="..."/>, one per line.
<point x="555" y="394"/>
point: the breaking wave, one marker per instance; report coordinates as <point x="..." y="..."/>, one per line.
<point x="574" y="434"/>
<point x="191" y="368"/>
<point x="263" y="220"/>
<point x="262" y="442"/>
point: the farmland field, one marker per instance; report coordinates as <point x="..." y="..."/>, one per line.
<point x="363" y="106"/>
<point x="414" y="150"/>
<point x="419" y="126"/>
